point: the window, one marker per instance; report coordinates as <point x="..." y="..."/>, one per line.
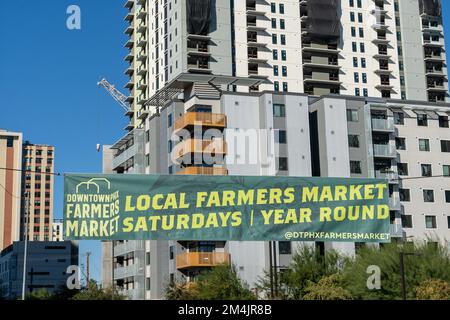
<point x="274" y="39"/>
<point x="361" y="32"/>
<point x="352" y="115"/>
<point x="282" y="24"/>
<point x="354" y="47"/>
<point x="351" y="3"/>
<point x="424" y="145"/>
<point x="399" y="118"/>
<point x="275" y="71"/>
<point x="273" y="7"/>
<point x="363" y="62"/>
<point x="352" y="16"/>
<point x="356" y="77"/>
<point x="353" y="141"/>
<point x="281" y="8"/>
<point x="279" y="110"/>
<point x="448" y="222"/>
<point x="353" y="30"/>
<point x="283" y="55"/>
<point x="9" y="142"/>
<point x="285" y="86"/>
<point x="171" y="252"/>
<point x="357" y="92"/>
<point x="400" y="143"/>
<point x="274" y="23"/>
<point x="426" y="170"/>
<point x="360" y="17"/>
<point x="446" y="170"/>
<point x="364" y="77"/>
<point x="430" y="222"/>
<point x="443" y="122"/>
<point x="282" y="164"/>
<point x="365" y="92"/>
<point x="284" y="247"/>
<point x="276" y="86"/>
<point x="362" y="47"/>
<point x="359" y="3"/>
<point x="355" y="167"/>
<point x="447" y="196"/>
<point x="280" y="136"/>
<point x="428" y="195"/>
<point x="355" y="62"/>
<point x="283" y="39"/>
<point x="402" y="169"/>
<point x="422" y="120"/>
<point x="284" y="71"/>
<point x="147" y="258"/>
<point x="445" y="145"/>
<point x="407" y="221"/>
<point x="275" y="54"/>
<point x="170" y="120"/>
<point x="405" y="195"/>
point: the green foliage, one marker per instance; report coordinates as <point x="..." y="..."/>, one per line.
<point x="307" y="266"/>
<point x="219" y="283"/>
<point x="41" y="294"/>
<point x="429" y="261"/>
<point x="328" y="288"/>
<point x="433" y="289"/>
<point x="94" y="292"/>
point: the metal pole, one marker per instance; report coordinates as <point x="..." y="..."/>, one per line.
<point x="402" y="275"/>
<point x="87" y="269"/>
<point x="270" y="269"/>
<point x="25" y="249"/>
<point x="275" y="267"/>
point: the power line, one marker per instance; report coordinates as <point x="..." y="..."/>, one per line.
<point x="8" y="192"/>
<point x="31" y="171"/>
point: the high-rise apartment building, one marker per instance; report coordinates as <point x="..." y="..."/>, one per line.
<point x="57" y="230"/>
<point x="272" y="70"/>
<point x="364" y="48"/>
<point x="10" y="192"/>
<point x="37" y="191"/>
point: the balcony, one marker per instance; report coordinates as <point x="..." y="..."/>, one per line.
<point x="394" y="203"/>
<point x="123" y="248"/>
<point x="391" y="177"/>
<point x="384" y="151"/>
<point x="309" y="63"/>
<point x="125" y="155"/>
<point x="252" y="26"/>
<point x="384" y="125"/>
<point x="307" y="47"/>
<point x="334" y="80"/>
<point x="204" y="119"/>
<point x="128" y="271"/>
<point x="199" y="67"/>
<point x="206" y="171"/>
<point x="202" y="259"/>
<point x="217" y="146"/>
<point x="251" y="11"/>
<point x="396" y="230"/>
<point x="198" y="50"/>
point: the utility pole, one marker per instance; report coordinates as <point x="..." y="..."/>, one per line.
<point x="402" y="271"/>
<point x="271" y="270"/>
<point x="25" y="249"/>
<point x="88" y="254"/>
<point x="275" y="268"/>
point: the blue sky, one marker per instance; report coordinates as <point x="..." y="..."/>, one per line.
<point x="48" y="77"/>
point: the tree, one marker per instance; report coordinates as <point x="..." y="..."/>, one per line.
<point x="433" y="289"/>
<point x="307" y="265"/>
<point x="431" y="260"/>
<point x="41" y="294"/>
<point x="328" y="288"/>
<point x="219" y="283"/>
<point x="94" y="292"/>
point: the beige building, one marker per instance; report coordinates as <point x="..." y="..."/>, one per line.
<point x="10" y="158"/>
<point x="37" y="177"/>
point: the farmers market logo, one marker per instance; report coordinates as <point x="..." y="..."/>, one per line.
<point x="93" y="209"/>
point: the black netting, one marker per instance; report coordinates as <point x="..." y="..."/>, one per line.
<point x="324" y="19"/>
<point x="430" y="7"/>
<point x="198" y="16"/>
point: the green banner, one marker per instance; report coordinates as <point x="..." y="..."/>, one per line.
<point x="242" y="208"/>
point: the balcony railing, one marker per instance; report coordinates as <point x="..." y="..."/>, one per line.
<point x="217" y="146"/>
<point x="202" y="259"/>
<point x="201" y="119"/>
<point x="211" y="171"/>
<point x="124" y="156"/>
<point x="384" y="150"/>
<point x="383" y="124"/>
<point x="126" y="247"/>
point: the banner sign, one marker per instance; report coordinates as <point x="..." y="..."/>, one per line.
<point x="241" y="208"/>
